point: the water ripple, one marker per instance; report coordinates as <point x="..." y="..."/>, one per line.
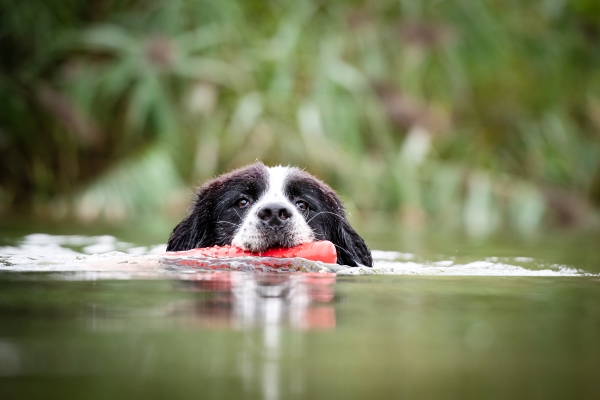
<point x="54" y="253"/>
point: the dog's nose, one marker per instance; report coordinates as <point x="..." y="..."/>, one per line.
<point x="274" y="214"/>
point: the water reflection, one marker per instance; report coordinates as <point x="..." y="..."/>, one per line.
<point x="264" y="306"/>
<point x="246" y="300"/>
<point x="232" y="335"/>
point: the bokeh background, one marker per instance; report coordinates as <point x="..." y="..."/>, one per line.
<point x="471" y="117"/>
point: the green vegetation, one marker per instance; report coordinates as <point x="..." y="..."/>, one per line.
<point x="475" y="115"/>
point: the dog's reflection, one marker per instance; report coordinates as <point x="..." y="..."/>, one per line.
<point x="273" y="311"/>
<point x="241" y="300"/>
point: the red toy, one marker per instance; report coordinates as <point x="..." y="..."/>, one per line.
<point x="323" y="251"/>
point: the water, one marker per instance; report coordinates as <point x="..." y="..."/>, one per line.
<point x="104" y="254"/>
<point x="427" y="325"/>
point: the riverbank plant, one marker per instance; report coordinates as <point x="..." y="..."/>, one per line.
<point x="474" y="115"/>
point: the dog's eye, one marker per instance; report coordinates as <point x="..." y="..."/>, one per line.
<point x="302" y="205"/>
<point x="243" y="203"/>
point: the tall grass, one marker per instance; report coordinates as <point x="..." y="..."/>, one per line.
<point x="473" y="115"/>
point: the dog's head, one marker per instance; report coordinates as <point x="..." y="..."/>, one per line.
<point x="258" y="208"/>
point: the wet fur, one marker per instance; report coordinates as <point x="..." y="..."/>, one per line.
<point x="214" y="218"/>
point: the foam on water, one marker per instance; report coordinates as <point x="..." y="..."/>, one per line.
<point x="52" y="253"/>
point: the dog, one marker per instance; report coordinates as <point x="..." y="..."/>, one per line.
<point x="258" y="208"/>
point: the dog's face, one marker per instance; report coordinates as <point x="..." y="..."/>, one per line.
<point x="259" y="208"/>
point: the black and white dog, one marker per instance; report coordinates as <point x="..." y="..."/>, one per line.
<point x="259" y="208"/>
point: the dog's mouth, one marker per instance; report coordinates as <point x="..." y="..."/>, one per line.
<point x="282" y="242"/>
<point x="265" y="239"/>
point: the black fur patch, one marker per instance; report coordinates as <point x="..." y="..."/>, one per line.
<point x="215" y="218"/>
<point x="327" y="218"/>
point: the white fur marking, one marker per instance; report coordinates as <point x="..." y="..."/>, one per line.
<point x="252" y="236"/>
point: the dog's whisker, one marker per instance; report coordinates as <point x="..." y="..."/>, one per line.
<point x="227" y="222"/>
<point x="237" y="214"/>
<point x="323" y="212"/>
<point x="342" y="248"/>
<point x="338" y="246"/>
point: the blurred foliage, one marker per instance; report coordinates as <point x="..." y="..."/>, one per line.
<point x="480" y="115"/>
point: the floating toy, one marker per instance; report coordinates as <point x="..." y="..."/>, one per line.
<point x="323" y="251"/>
<point x="233" y="257"/>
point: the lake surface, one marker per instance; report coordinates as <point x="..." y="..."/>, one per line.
<point x="450" y="321"/>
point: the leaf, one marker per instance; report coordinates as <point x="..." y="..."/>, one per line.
<point x="110" y="37"/>
<point x="140" y="184"/>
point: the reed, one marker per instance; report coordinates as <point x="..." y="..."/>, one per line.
<point x="473" y="115"/>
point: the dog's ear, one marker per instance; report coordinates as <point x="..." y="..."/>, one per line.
<point x="351" y="248"/>
<point x="185" y="235"/>
<point x="193" y="231"/>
